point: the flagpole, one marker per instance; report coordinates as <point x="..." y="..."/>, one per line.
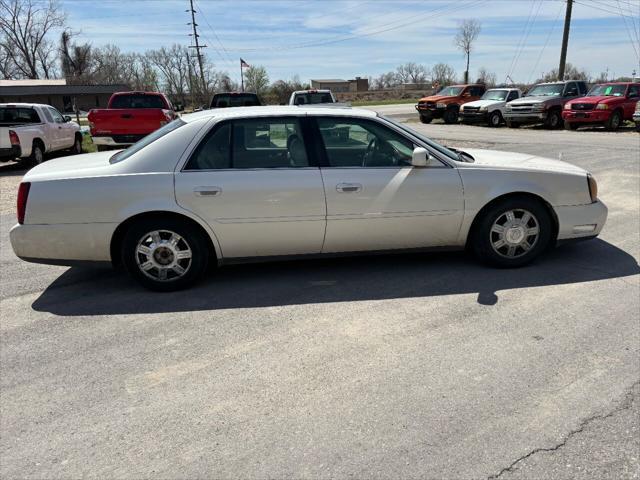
<point x="241" y="77"/>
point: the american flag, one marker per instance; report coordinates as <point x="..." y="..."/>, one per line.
<point x="244" y="64"/>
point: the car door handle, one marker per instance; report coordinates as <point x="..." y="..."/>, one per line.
<point x="207" y="191"/>
<point x="348" y="187"/>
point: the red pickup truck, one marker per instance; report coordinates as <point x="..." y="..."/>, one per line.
<point x="129" y="116"/>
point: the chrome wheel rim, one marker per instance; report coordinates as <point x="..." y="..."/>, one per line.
<point x="163" y="255"/>
<point x="514" y="233"/>
<point x="495" y="119"/>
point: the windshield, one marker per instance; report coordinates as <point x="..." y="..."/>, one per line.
<point x="143" y="142"/>
<point x="450" y="91"/>
<point x="549" y="90"/>
<point x="444" y="150"/>
<point x="312" y="98"/>
<point x="495" y="95"/>
<point x="138" y="101"/>
<point x="14" y="115"/>
<point x="607" y="91"/>
<point x="235" y="100"/>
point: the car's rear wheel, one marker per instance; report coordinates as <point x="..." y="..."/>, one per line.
<point x="614" y="122"/>
<point x="77" y="145"/>
<point x="512" y="232"/>
<point x="495" y="119"/>
<point x="37" y="153"/>
<point x="165" y="255"/>
<point x="426" y="118"/>
<point x="450" y="116"/>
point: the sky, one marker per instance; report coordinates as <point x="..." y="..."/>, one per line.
<point x="318" y="39"/>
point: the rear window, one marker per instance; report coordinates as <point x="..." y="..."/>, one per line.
<point x="143" y="142"/>
<point x="235" y="100"/>
<point x="14" y="115"/>
<point x="312" y="98"/>
<point x="138" y="101"/>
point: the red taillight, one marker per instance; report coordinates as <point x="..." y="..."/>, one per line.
<point x="23" y="194"/>
<point x="13" y="137"/>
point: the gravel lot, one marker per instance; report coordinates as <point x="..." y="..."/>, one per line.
<point x="421" y="366"/>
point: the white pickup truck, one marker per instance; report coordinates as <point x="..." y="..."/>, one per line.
<point x="490" y="108"/>
<point x="28" y="131"/>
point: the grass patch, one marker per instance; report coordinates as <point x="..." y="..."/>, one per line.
<point x="87" y="144"/>
<point x="387" y="101"/>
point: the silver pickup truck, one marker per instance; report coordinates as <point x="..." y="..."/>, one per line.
<point x="28" y="131"/>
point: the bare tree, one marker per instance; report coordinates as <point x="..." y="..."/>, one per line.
<point x="468" y="31"/>
<point x="412" y="73"/>
<point x="174" y="67"/>
<point x="24" y="25"/>
<point x="570" y="73"/>
<point x="75" y="59"/>
<point x="443" y="74"/>
<point x="256" y="79"/>
<point x="385" y="80"/>
<point x="486" y="77"/>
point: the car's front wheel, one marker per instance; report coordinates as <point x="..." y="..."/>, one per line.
<point x="450" y="116"/>
<point x="165" y="255"/>
<point x="495" y="119"/>
<point x="512" y="233"/>
<point x="426" y="118"/>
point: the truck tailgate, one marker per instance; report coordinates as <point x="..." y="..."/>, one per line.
<point x="5" y="142"/>
<point x="116" y="121"/>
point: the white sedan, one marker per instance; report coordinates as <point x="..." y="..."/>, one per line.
<point x="223" y="186"/>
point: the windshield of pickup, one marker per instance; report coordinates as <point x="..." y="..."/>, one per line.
<point x="138" y="101"/>
<point x="143" y="142"/>
<point x="312" y="98"/>
<point x="18" y="115"/>
<point x="607" y="91"/>
<point x="549" y="90"/>
<point x="450" y="91"/>
<point x="223" y="100"/>
<point x="498" y="95"/>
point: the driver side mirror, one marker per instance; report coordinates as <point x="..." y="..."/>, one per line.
<point x="67" y="118"/>
<point x="420" y="157"/>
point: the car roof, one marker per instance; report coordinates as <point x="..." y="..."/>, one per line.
<point x="24" y="105"/>
<point x="279" y="110"/>
<point x="313" y="90"/>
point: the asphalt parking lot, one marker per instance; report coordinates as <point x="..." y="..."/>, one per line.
<point x="419" y="366"/>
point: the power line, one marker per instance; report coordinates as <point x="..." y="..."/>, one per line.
<point x="228" y="58"/>
<point x="551" y="30"/>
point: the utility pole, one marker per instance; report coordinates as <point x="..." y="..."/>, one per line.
<point x="197" y="45"/>
<point x="565" y="40"/>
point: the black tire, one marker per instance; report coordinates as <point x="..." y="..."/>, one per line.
<point x="553" y="120"/>
<point x="77" y="145"/>
<point x="37" y="153"/>
<point x="450" y="116"/>
<point x="512" y="124"/>
<point x="571" y="126"/>
<point x="425" y="118"/>
<point x="637" y="126"/>
<point x="495" y="119"/>
<point x="614" y="122"/>
<point x="482" y="236"/>
<point x="193" y="240"/>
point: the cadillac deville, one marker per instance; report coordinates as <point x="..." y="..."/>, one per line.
<point x="238" y="184"/>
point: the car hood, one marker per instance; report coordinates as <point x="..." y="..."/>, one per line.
<point x="437" y="98"/>
<point x="536" y="99"/>
<point x="74" y="166"/>
<point x="598" y="99"/>
<point x="484" y="103"/>
<point x="519" y="161"/>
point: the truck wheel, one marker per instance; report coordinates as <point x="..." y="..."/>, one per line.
<point x="512" y="124"/>
<point x="37" y="153"/>
<point x="553" y="120"/>
<point x="426" y="118"/>
<point x="571" y="126"/>
<point x="77" y="145"/>
<point x="615" y="120"/>
<point x="450" y="116"/>
<point x="637" y="126"/>
<point x="495" y="119"/>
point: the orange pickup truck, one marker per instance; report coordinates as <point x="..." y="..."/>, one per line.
<point x="446" y="103"/>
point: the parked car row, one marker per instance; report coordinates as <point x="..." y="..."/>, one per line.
<point x="29" y="131"/>
<point x="552" y="104"/>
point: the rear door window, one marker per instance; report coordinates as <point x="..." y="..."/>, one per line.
<point x="235" y="100"/>
<point x="138" y="101"/>
<point x="15" y="115"/>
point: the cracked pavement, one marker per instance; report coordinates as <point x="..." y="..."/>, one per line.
<point x="420" y="366"/>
